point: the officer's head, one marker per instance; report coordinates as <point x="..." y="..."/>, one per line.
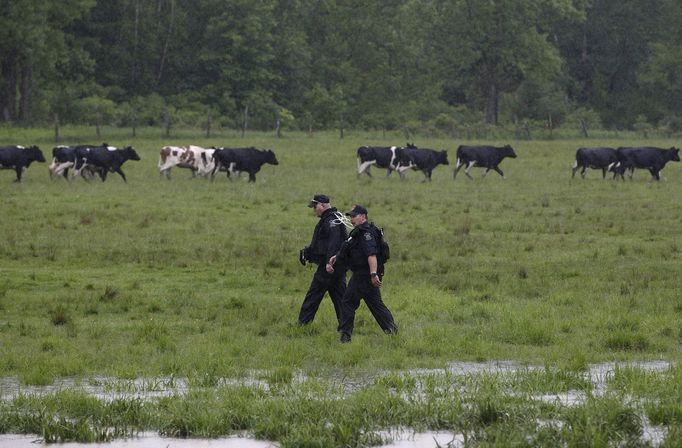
<point x="358" y="215"/>
<point x="319" y="203"/>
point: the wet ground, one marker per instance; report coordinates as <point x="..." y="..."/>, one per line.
<point x="111" y="388"/>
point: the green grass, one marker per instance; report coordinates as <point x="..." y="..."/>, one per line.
<point x="192" y="279"/>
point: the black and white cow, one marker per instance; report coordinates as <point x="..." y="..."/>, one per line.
<point x="18" y="158"/>
<point x="597" y="158"/>
<point x="650" y="158"/>
<point x="389" y="157"/>
<point x="242" y="159"/>
<point x="103" y="159"/>
<point x="488" y="157"/>
<point x="422" y="159"/>
<point x="63" y="158"/>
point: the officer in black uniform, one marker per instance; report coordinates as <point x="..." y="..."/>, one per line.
<point x="359" y="253"/>
<point x="328" y="236"/>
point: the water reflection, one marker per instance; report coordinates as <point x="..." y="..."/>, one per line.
<point x="147" y="440"/>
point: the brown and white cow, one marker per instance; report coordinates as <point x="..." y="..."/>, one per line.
<point x="189" y="157"/>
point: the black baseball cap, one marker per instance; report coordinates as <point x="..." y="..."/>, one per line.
<point x="357" y="210"/>
<point x="318" y="198"/>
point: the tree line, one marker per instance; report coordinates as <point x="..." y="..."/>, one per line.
<point x="444" y="65"/>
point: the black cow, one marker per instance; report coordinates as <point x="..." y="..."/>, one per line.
<point x="651" y="158"/>
<point x="488" y="157"/>
<point x="103" y="159"/>
<point x="389" y="157"/>
<point x="597" y="158"/>
<point x="242" y="159"/>
<point x="18" y="158"/>
<point x="422" y="159"/>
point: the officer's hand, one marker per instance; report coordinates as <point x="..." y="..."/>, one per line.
<point x="330" y="265"/>
<point x="376" y="281"/>
<point x="301" y="257"/>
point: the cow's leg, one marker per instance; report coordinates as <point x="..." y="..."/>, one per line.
<point x="468" y="168"/>
<point x="583" y="172"/>
<point x="120" y="172"/>
<point x="252" y="177"/>
<point x="427" y="175"/>
<point x="364" y="167"/>
<point x="631" y="171"/>
<point x="458" y="167"/>
<point x="485" y="171"/>
<point x="574" y="169"/>
<point x="19" y="170"/>
<point x="499" y="171"/>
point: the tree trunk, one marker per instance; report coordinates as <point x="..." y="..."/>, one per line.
<point x="8" y="95"/>
<point x="26" y="90"/>
<point x="246" y="119"/>
<point x="164" y="53"/>
<point x="491" y="104"/>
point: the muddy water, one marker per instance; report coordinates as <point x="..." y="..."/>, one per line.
<point x="111" y="388"/>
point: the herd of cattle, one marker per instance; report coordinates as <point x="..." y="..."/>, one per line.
<point x="89" y="161"/>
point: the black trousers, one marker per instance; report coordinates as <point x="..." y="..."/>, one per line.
<point x="360" y="287"/>
<point x="334" y="283"/>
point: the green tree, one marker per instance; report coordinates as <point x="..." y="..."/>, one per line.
<point x="490" y="47"/>
<point x="33" y="45"/>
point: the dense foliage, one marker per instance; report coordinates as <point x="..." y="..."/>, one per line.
<point x="444" y="65"/>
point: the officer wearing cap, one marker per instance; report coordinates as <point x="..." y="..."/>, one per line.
<point x="359" y="254"/>
<point x="328" y="236"/>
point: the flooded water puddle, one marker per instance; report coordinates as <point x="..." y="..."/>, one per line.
<point x="401" y="439"/>
<point x="597" y="376"/>
<point x="147" y="440"/>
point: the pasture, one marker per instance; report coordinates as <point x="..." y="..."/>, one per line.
<point x="198" y="280"/>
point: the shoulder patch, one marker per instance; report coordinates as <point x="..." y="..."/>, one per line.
<point x="368" y="236"/>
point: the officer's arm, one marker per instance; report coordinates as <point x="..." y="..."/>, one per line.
<point x="372" y="260"/>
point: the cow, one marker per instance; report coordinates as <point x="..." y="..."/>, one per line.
<point x="597" y="158"/>
<point x="104" y="159"/>
<point x="389" y="157"/>
<point x="651" y="158"/>
<point x="63" y="158"/>
<point x="422" y="159"/>
<point x="190" y="157"/>
<point x="19" y="158"/>
<point x="243" y="159"/>
<point x="488" y="157"/>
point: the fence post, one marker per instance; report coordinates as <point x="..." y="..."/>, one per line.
<point x="56" y="128"/>
<point x="167" y="121"/>
<point x="246" y="119"/>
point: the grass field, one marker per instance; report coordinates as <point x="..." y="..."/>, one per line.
<point x="199" y="280"/>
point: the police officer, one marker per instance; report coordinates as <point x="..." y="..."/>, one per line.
<point x="329" y="234"/>
<point x="359" y="253"/>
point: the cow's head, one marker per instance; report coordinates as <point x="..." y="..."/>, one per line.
<point x="410" y="145"/>
<point x="509" y="151"/>
<point x="443" y="157"/>
<point x="36" y="154"/>
<point x="270" y="157"/>
<point x="675" y="154"/>
<point x="131" y="153"/>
